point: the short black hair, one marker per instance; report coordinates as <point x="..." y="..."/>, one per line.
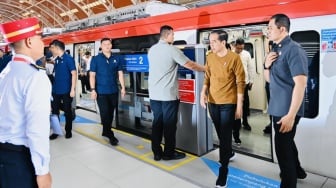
<point x="222" y="35"/>
<point x="58" y="43"/>
<point x="281" y="20"/>
<point x="164" y="29"/>
<point x="105" y="39"/>
<point x="240" y="41"/>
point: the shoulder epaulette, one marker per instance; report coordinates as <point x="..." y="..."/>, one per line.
<point x="37" y="67"/>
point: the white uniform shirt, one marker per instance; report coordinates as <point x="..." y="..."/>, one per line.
<point x="88" y="62"/>
<point x="25" y="93"/>
<point x="249" y="67"/>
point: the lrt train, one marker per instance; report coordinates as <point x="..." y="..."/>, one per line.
<point x="312" y="25"/>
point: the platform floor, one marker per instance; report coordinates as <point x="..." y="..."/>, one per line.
<point x="87" y="160"/>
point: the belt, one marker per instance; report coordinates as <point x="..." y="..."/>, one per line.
<point x="12" y="147"/>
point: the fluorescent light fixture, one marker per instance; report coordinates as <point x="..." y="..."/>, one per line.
<point x="70" y="12"/>
<point x="93" y="4"/>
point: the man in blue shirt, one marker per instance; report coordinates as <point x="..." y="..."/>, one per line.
<point x="25" y="93"/>
<point x="286" y="70"/>
<point x="4" y="59"/>
<point x="63" y="88"/>
<point x="105" y="69"/>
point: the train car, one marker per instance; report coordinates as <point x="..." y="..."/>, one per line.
<point x="312" y="25"/>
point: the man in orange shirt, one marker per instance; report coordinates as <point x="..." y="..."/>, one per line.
<point x="223" y="90"/>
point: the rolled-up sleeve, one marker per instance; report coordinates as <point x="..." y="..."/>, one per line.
<point x="37" y="111"/>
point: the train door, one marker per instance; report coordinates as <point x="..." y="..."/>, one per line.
<point x="82" y="60"/>
<point x="254" y="142"/>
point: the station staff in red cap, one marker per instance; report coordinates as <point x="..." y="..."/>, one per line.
<point x="25" y="93"/>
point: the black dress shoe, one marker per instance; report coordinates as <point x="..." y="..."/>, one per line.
<point x="268" y="129"/>
<point x="157" y="157"/>
<point x="68" y="135"/>
<point x="247" y="127"/>
<point x="114" y="141"/>
<point x="177" y="155"/>
<point x="53" y="136"/>
<point x="301" y="174"/>
<point x="108" y="135"/>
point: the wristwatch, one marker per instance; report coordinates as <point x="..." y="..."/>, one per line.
<point x="93" y="89"/>
<point x="267" y="68"/>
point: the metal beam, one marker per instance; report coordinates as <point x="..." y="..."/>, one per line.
<point x="80" y="7"/>
<point x="42" y="19"/>
<point x="15" y="15"/>
<point x="39" y="6"/>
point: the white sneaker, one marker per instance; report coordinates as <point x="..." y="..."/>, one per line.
<point x="218" y="186"/>
<point x="232" y="156"/>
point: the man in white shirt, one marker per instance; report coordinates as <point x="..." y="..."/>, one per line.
<point x="25" y="93"/>
<point x="249" y="70"/>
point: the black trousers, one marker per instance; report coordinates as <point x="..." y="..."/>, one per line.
<point x="16" y="167"/>
<point x="164" y="124"/>
<point x="107" y="104"/>
<point x="246" y="112"/>
<point x="236" y="128"/>
<point x="85" y="82"/>
<point x="268" y="95"/>
<point x="246" y="105"/>
<point x="64" y="101"/>
<point x="223" y="116"/>
<point x="287" y="154"/>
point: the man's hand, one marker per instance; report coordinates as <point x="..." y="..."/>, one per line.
<point x="123" y="92"/>
<point x="203" y="100"/>
<point x="287" y="123"/>
<point x="93" y="95"/>
<point x="44" y="181"/>
<point x="239" y="112"/>
<point x="72" y="93"/>
<point x="270" y="58"/>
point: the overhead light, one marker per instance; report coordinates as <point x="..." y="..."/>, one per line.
<point x="70" y="12"/>
<point x="25" y="14"/>
<point x="93" y="4"/>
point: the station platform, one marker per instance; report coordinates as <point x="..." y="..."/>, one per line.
<point x="87" y="160"/>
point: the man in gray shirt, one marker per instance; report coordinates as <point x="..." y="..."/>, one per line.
<point x="286" y="70"/>
<point x="164" y="59"/>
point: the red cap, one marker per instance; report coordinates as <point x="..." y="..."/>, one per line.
<point x="20" y="29"/>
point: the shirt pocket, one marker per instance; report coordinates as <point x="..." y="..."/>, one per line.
<point x="281" y="67"/>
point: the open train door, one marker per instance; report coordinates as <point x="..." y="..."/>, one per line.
<point x="254" y="142"/>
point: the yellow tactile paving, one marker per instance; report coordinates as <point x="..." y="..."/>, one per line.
<point x="140" y="150"/>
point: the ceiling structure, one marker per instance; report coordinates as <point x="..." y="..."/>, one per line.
<point x="55" y="13"/>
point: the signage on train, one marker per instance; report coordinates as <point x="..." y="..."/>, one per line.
<point x="135" y="62"/>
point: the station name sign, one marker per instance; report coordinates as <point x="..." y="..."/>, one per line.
<point x="135" y="62"/>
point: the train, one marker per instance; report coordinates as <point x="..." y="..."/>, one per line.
<point x="312" y="26"/>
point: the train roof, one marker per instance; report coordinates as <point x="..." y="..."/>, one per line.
<point x="219" y="15"/>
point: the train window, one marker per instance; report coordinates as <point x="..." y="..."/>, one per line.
<point x="249" y="47"/>
<point x="179" y="42"/>
<point x="134" y="44"/>
<point x="310" y="42"/>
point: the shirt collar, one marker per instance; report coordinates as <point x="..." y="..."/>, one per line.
<point x="162" y="41"/>
<point x="27" y="58"/>
<point x="282" y="43"/>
